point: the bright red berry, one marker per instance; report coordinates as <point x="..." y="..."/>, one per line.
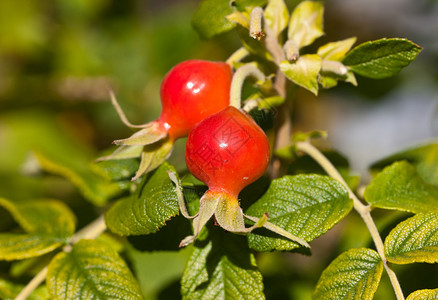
<point x="227" y="151"/>
<point x="192" y="91"/>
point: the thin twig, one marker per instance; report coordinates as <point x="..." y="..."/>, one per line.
<point x="91" y="231"/>
<point x="363" y="210"/>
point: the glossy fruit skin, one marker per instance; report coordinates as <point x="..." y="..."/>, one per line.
<point x="227" y="151"/>
<point x="192" y="91"/>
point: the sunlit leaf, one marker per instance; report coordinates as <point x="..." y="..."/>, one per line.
<point x="276" y="15"/>
<point x="399" y="186"/>
<point x="423" y="157"/>
<point x="149" y="209"/>
<point x="37" y="217"/>
<point x="336" y="50"/>
<point x="92" y="270"/>
<point x="423" y="295"/>
<point x="304" y="71"/>
<point x="221" y="267"/>
<point x="306" y="206"/>
<point x="414" y="240"/>
<point x="381" y="58"/>
<point x="306" y="23"/>
<point x="354" y="274"/>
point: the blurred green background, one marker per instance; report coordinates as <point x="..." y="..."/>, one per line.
<point x="58" y="58"/>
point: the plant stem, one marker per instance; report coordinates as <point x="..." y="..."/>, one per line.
<point x="91" y="231"/>
<point x="237" y="56"/>
<point x="238" y="79"/>
<point x="363" y="210"/>
<point x="284" y="123"/>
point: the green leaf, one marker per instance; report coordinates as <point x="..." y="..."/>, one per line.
<point x="306" y="206"/>
<point x="210" y="18"/>
<point x="336" y="50"/>
<point x="95" y="188"/>
<point x="423" y="295"/>
<point x="9" y="290"/>
<point x="37" y="218"/>
<point x="118" y="169"/>
<point x="400" y="187"/>
<point x="149" y="209"/>
<point x="56" y="151"/>
<point x="221" y="267"/>
<point x="381" y="58"/>
<point x="424" y="158"/>
<point x="248" y="4"/>
<point x="304" y="71"/>
<point x="354" y="274"/>
<point x="92" y="270"/>
<point x="306" y="23"/>
<point x="276" y="15"/>
<point x="414" y="240"/>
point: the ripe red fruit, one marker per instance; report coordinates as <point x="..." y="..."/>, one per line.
<point x="190" y="92"/>
<point x="227" y="151"/>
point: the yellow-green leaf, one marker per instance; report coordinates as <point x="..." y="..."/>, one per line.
<point x="276" y="15"/>
<point x="304" y="71"/>
<point x="354" y="274"/>
<point x="400" y="187"/>
<point x="414" y="240"/>
<point x="92" y="270"/>
<point x="48" y="224"/>
<point x="423" y="295"/>
<point x="306" y="23"/>
<point x="336" y="50"/>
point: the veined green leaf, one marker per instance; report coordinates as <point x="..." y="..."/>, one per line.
<point x="424" y="158"/>
<point x="354" y="274"/>
<point x="92" y="270"/>
<point x="423" y="295"/>
<point x="276" y="15"/>
<point x="400" y="187"/>
<point x="382" y="58"/>
<point x="221" y="267"/>
<point x="210" y="18"/>
<point x="414" y="240"/>
<point x="304" y="71"/>
<point x="306" y="23"/>
<point x="306" y="206"/>
<point x="37" y="218"/>
<point x="148" y="210"/>
<point x="336" y="50"/>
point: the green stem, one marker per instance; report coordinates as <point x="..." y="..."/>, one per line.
<point x="363" y="210"/>
<point x="238" y="78"/>
<point x="237" y="56"/>
<point x="91" y="231"/>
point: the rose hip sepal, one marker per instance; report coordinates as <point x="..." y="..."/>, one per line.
<point x="190" y="92"/>
<point x="227" y="151"/>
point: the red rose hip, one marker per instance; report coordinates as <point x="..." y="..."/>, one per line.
<point x="190" y="92"/>
<point x="227" y="151"/>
